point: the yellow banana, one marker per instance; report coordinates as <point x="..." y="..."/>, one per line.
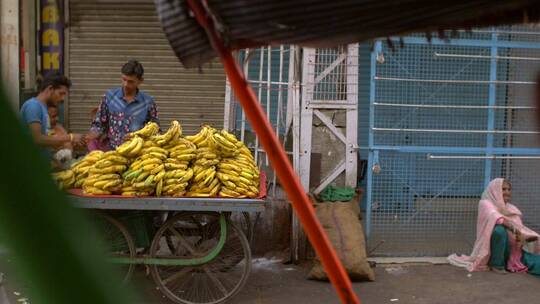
<point x="142" y="176"/>
<point x="159" y="188"/>
<point x="185" y="157"/>
<point x="153" y="155"/>
<point x="138" y="147"/>
<point x="230" y="137"/>
<point x="209" y="177"/>
<point x="159" y="176"/>
<point x="158" y="169"/>
<point x="156" y="149"/>
<point x="149" y="181"/>
<point x="116" y="159"/>
<point x="149" y="167"/>
<point x="127" y="147"/>
<point x="229" y="185"/>
<point x="112" y="184"/>
<point x="169" y="166"/>
<point x="244" y="180"/>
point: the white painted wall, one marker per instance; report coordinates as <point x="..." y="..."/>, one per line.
<point x="9" y="49"/>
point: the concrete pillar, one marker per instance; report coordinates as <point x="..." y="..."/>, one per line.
<point x="9" y="49"/>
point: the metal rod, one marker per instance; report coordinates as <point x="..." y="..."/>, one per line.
<point x="455" y="81"/>
<point x="259" y="95"/>
<point x="279" y="110"/>
<point x="269" y="84"/>
<point x="456" y="131"/>
<point x="243" y="122"/>
<point x="452" y="106"/>
<point x="485" y="57"/>
<point x="429" y="156"/>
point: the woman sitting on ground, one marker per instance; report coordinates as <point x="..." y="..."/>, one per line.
<point x="501" y="236"/>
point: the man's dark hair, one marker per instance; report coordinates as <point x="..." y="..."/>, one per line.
<point x="55" y="80"/>
<point x="133" y="68"/>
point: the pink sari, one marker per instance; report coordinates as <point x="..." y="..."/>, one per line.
<point x="492" y="210"/>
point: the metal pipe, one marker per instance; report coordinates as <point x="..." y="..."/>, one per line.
<point x="455" y="131"/>
<point x="279" y="110"/>
<point x="485" y="57"/>
<point x="269" y="85"/>
<point x="429" y="156"/>
<point x="243" y="117"/>
<point x="456" y="81"/>
<point x="452" y="106"/>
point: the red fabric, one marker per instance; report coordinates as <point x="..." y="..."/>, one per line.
<point x="79" y="192"/>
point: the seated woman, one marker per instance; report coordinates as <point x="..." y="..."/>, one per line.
<point x="501" y="236"/>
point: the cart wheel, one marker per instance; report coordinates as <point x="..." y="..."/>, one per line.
<point x="117" y="240"/>
<point x="244" y="222"/>
<point x="194" y="235"/>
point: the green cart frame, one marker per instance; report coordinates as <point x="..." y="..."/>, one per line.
<point x="194" y="251"/>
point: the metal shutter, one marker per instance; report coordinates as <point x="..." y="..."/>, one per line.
<point x="103" y="36"/>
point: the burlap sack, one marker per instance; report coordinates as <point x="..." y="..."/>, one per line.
<point x="342" y="224"/>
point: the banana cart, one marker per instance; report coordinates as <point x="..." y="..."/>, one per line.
<point x="194" y="250"/>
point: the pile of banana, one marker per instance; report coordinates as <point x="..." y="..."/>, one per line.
<point x="173" y="133"/>
<point x="64" y="179"/>
<point x="177" y="167"/>
<point x="227" y="144"/>
<point x="131" y="148"/>
<point x="150" y="129"/>
<point x="238" y="173"/>
<point x="105" y="176"/>
<point x="82" y="167"/>
<point x="205" y="182"/>
<point x="146" y="173"/>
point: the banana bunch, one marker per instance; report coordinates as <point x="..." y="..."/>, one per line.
<point x="176" y="181"/>
<point x="149" y="130"/>
<point x="104" y="177"/>
<point x="145" y="175"/>
<point x="82" y="167"/>
<point x="64" y="179"/>
<point x="205" y="182"/>
<point x="174" y="132"/>
<point x="205" y="138"/>
<point x="239" y="177"/>
<point x="132" y="147"/>
<point x="227" y="144"/>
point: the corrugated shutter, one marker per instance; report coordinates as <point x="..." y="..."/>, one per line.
<point x="103" y="36"/>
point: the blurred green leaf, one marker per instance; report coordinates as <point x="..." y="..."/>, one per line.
<point x="56" y="253"/>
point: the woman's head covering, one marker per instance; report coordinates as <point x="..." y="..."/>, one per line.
<point x="493" y="194"/>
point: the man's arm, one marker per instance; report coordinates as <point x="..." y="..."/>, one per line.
<point x="48" y="141"/>
<point x="101" y="121"/>
<point x="153" y="114"/>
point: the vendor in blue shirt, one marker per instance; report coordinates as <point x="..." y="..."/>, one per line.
<point x="34" y="114"/>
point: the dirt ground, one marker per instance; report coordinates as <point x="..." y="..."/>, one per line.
<point x="273" y="282"/>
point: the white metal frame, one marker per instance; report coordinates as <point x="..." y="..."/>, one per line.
<point x="312" y="107"/>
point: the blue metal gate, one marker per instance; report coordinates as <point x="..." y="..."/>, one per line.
<point x="444" y="119"/>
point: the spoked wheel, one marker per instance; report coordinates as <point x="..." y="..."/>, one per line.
<point x="243" y="222"/>
<point x="196" y="236"/>
<point x="118" y="242"/>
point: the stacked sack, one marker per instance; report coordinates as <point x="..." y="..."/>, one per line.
<point x="237" y="170"/>
<point x="205" y="182"/>
<point x="82" y="167"/>
<point x="178" y="172"/>
<point x="105" y="176"/>
<point x="146" y="174"/>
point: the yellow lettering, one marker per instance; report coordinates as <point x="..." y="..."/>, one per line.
<point x="51" y="61"/>
<point x="50" y="14"/>
<point x="50" y="37"/>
